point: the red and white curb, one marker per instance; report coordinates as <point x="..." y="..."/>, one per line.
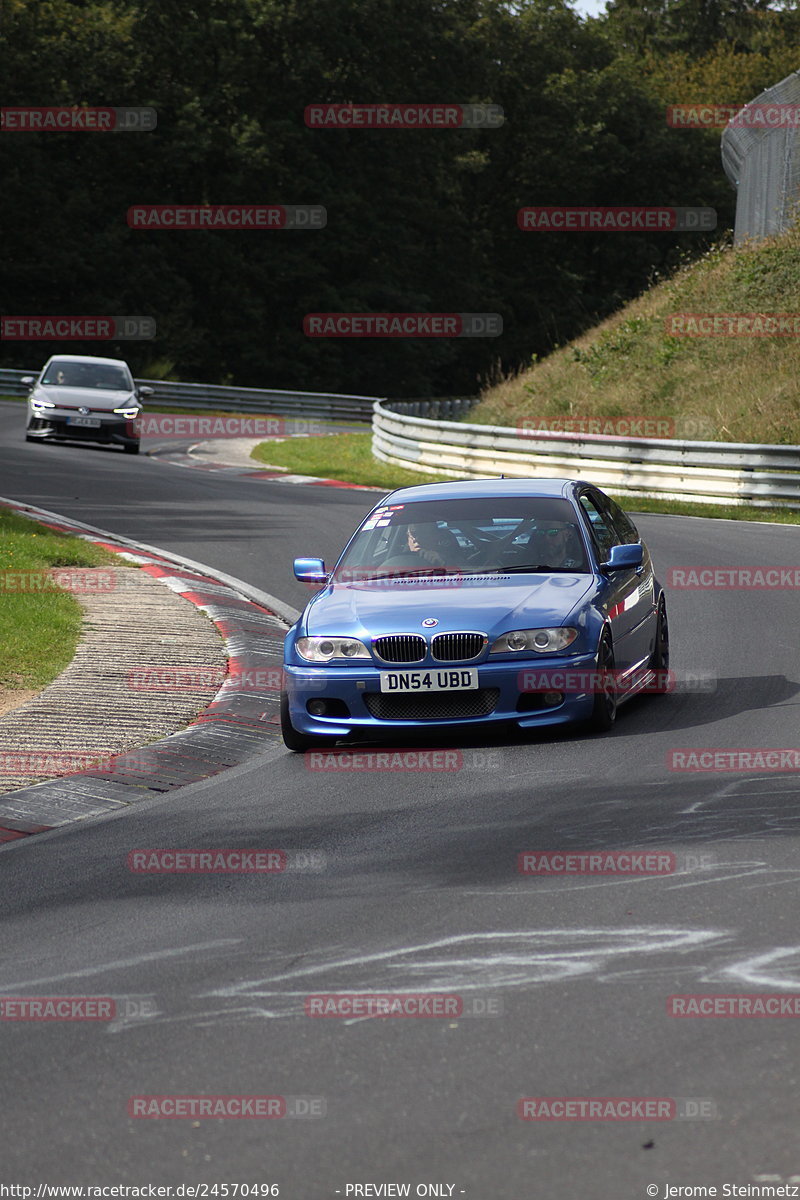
<point x="238" y="723"/>
<point x="186" y="459"/>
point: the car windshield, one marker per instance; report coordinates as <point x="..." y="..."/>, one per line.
<point x="492" y="534"/>
<point x="87" y="375"/>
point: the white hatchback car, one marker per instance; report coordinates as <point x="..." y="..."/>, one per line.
<point x="85" y="399"/>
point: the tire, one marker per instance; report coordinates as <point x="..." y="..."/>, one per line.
<point x="659" y="660"/>
<point x="131" y="449"/>
<point x="604" y="713"/>
<point x="299" y="742"/>
<point x="28" y="438"/>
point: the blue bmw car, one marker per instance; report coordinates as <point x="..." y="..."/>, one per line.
<point x="524" y="601"/>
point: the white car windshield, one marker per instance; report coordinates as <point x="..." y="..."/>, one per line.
<point x="470" y="536"/>
<point x="87" y="375"/>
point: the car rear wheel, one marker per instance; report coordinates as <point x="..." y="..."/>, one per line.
<point x="299" y="742"/>
<point x="659" y="661"/>
<point x="604" y="713"/>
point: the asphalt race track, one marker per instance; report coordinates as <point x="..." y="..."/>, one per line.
<point x="420" y="893"/>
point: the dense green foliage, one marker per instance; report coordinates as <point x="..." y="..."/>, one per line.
<point x="417" y="220"/>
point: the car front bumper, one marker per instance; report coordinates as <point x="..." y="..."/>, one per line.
<point x="111" y="430"/>
<point x="500" y="698"/>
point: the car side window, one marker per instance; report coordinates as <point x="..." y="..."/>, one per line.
<point x="628" y="533"/>
<point x="603" y="531"/>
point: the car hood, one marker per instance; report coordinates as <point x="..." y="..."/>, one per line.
<point x="491" y="604"/>
<point x="99" y="399"/>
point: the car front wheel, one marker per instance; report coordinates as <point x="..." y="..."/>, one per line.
<point x="604" y="712"/>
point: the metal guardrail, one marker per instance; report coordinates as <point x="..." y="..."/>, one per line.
<point x="416" y="435"/>
<point x="704" y="472"/>
<point x="211" y="396"/>
<point x="763" y="163"/>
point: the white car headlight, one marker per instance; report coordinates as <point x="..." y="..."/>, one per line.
<point x="323" y="649"/>
<point x="541" y="641"/>
<point x="130" y="410"/>
<point x="36" y="402"/>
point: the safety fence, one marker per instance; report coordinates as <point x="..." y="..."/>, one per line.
<point x="704" y="472"/>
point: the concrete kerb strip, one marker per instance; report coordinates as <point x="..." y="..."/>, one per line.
<point x="233" y="728"/>
<point x="117" y="693"/>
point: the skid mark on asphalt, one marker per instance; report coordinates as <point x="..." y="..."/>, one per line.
<point x="120" y="964"/>
<point x="485" y="961"/>
<point x="777" y="968"/>
<point x="469" y="962"/>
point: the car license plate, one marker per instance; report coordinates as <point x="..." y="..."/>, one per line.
<point x="88" y="422"/>
<point x="429" y="681"/>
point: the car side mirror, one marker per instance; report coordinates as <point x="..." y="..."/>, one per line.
<point x="310" y="570"/>
<point x="146" y="391"/>
<point x="624" y="558"/>
<point x="27" y="379"/>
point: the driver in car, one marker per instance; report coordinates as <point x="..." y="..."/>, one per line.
<point x="560" y="546"/>
<point x="428" y="546"/>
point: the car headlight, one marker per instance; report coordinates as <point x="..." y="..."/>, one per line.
<point x="541" y="641"/>
<point x="323" y="649"/>
<point x="42" y="403"/>
<point x="128" y="410"/>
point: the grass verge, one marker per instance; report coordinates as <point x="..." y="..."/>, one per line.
<point x="345" y="456"/>
<point x="38" y="630"/>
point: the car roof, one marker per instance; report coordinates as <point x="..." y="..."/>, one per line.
<point x="87" y="358"/>
<point x="474" y="489"/>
